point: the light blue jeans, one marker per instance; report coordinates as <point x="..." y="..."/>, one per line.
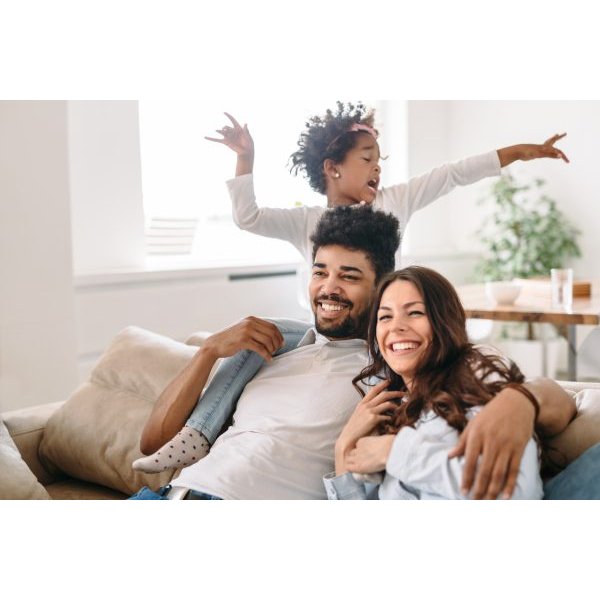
<point x="579" y="481"/>
<point x="219" y="400"/>
<point x="147" y="494"/>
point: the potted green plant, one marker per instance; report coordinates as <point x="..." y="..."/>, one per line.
<point x="524" y="236"/>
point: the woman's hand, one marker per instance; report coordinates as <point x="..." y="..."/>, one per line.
<point x="237" y="138"/>
<point x="370" y="454"/>
<point x="532" y="151"/>
<point x="368" y="413"/>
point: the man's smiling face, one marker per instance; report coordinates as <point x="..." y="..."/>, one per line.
<point x="341" y="289"/>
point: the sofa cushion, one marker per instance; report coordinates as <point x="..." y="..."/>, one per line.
<point x="26" y="427"/>
<point x="17" y="482"/>
<point x="584" y="431"/>
<point x="95" y="435"/>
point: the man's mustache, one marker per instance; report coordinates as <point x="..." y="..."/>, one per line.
<point x="335" y="298"/>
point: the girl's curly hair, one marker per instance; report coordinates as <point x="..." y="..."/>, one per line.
<point x="328" y="137"/>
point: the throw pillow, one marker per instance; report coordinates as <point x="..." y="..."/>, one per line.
<point x="95" y="435"/>
<point x="584" y="431"/>
<point x="17" y="482"/>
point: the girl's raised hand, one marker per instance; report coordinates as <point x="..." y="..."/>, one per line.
<point x="237" y="138"/>
<point x="545" y="150"/>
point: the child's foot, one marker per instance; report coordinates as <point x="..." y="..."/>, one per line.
<point x="185" y="449"/>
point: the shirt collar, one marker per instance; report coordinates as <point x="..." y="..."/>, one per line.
<point x="312" y="336"/>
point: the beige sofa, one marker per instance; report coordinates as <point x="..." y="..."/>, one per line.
<point x="82" y="448"/>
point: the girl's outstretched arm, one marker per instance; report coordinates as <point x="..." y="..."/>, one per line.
<point x="510" y="154"/>
<point x="237" y="138"/>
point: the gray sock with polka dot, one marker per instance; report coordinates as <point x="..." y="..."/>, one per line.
<point x="186" y="448"/>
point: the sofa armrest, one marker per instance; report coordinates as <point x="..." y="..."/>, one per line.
<point x="26" y="427"/>
<point x="576" y="386"/>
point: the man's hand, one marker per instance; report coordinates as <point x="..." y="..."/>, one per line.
<point x="251" y="333"/>
<point x="499" y="433"/>
<point x="370" y="454"/>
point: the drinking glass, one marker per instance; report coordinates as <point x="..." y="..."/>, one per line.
<point x="562" y="288"/>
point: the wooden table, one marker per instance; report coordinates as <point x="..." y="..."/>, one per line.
<point x="530" y="308"/>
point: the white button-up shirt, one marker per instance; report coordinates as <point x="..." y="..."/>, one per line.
<point x="418" y="467"/>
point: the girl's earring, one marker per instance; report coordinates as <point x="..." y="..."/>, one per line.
<point x="337" y="175"/>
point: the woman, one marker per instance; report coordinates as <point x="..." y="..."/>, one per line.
<point x="434" y="382"/>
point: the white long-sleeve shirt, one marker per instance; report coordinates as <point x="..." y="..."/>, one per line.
<point x="296" y="225"/>
<point x="418" y="467"/>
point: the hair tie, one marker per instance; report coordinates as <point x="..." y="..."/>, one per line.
<point x="354" y="127"/>
<point x="365" y="128"/>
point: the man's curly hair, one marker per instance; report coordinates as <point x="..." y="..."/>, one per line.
<point x="360" y="227"/>
<point x="328" y="137"/>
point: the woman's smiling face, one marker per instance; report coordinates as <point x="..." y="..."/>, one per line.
<point x="404" y="331"/>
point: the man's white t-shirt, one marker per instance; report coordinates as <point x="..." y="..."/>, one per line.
<point x="285" y="425"/>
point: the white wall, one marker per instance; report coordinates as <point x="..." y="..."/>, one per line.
<point x="178" y="305"/>
<point x="37" y="309"/>
<point x="427" y="232"/>
<point x="71" y="202"/>
<point x="106" y="186"/>
<point x="70" y="208"/>
<point x="443" y="131"/>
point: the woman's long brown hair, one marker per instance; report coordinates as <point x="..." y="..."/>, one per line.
<point x="453" y="375"/>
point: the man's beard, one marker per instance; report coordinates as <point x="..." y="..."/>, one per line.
<point x="353" y="326"/>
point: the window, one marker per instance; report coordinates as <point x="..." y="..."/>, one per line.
<point x="183" y="175"/>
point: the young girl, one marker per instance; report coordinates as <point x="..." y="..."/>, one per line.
<point x="339" y="155"/>
<point x="434" y="382"/>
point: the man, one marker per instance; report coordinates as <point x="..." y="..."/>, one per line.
<point x="288" y="417"/>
